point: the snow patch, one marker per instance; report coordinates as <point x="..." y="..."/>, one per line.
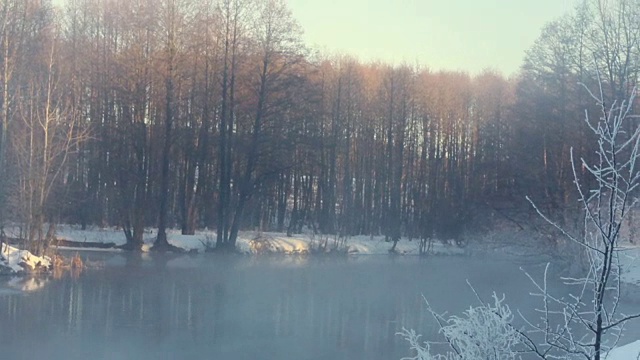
<point x="16" y="261"/>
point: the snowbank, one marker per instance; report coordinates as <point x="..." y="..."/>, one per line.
<point x="627" y="352"/>
<point x="16" y="261"/>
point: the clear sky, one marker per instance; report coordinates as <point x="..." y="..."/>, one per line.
<point x="469" y="35"/>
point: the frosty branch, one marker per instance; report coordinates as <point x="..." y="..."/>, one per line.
<point x="590" y="324"/>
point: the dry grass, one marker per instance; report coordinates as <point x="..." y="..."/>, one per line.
<point x="262" y="245"/>
<point x="74" y="265"/>
<point x="329" y="246"/>
<point x="57" y="261"/>
<point x="76" y="262"/>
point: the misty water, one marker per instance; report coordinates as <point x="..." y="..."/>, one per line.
<point x="167" y="307"/>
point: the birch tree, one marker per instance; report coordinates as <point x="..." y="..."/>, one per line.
<point x="47" y="134"/>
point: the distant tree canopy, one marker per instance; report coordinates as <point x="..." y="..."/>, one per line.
<point x="212" y="113"/>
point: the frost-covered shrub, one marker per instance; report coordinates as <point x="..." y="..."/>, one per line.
<point x="482" y="332"/>
<point x="423" y="349"/>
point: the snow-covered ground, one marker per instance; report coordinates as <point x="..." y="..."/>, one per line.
<point x="16" y="261"/>
<point x="627" y="352"/>
<point x="298" y="243"/>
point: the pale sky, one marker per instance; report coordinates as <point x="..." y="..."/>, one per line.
<point x="470" y="35"/>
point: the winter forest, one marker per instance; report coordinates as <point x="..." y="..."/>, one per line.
<point x="194" y="114"/>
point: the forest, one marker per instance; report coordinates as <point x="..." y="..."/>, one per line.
<point x="214" y="114"/>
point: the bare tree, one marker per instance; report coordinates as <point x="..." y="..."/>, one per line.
<point x="176" y="15"/>
<point x="277" y="46"/>
<point x="47" y="135"/>
<point x="234" y="24"/>
<point x="16" y="17"/>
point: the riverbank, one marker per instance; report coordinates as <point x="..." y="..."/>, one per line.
<point x="109" y="239"/>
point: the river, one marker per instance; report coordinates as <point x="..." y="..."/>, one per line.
<point x="195" y="307"/>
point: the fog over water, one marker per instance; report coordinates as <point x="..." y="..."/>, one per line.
<point x="164" y="307"/>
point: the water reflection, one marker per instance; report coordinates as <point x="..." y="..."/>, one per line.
<point x="27" y="283"/>
<point x="160" y="308"/>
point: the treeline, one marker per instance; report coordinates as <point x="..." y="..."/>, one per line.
<point x="212" y="113"/>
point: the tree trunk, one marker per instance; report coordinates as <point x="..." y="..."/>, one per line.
<point x="161" y="243"/>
